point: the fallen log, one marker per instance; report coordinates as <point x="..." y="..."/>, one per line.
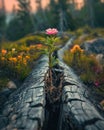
<point x="25" y="107"/>
<point x="77" y="112"/>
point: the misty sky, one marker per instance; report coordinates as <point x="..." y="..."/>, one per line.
<point x="9" y="4"/>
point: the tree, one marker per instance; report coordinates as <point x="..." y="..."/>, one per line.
<point x="53" y="13"/>
<point x="40" y="17"/>
<point x="59" y="15"/>
<point x="99" y="14"/>
<point x="92" y="13"/>
<point x="25" y="17"/>
<point x="2" y="19"/>
<point x="22" y="23"/>
<point x="66" y="19"/>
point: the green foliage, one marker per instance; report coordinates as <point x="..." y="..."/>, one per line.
<point x="92" y="13"/>
<point x="22" y="24"/>
<point x="26" y="41"/>
<point x="86" y="33"/>
<point x="59" y="16"/>
<point x="50" y="43"/>
<point x="2" y="23"/>
<point x="99" y="14"/>
<point x="18" y="28"/>
<point x="41" y="21"/>
<point x="17" y="58"/>
<point x="52" y="14"/>
<point x="54" y="61"/>
<point x="3" y="82"/>
<point x="87" y="67"/>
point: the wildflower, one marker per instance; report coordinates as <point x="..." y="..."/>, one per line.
<point x="27" y="49"/>
<point x="24" y="62"/>
<point x="13" y="49"/>
<point x="50" y="43"/>
<point x="39" y="46"/>
<point x="27" y="57"/>
<point x="96" y="83"/>
<point x="2" y="58"/>
<point x="19" y="57"/>
<point x="97" y="69"/>
<point x="72" y="50"/>
<point x="82" y="50"/>
<point x="10" y="59"/>
<point x="3" y="51"/>
<point x="13" y="59"/>
<point x="76" y="48"/>
<point x="51" y="31"/>
<point x="32" y="46"/>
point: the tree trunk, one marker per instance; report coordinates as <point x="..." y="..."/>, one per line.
<point x="90" y="9"/>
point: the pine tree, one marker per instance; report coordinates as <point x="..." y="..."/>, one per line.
<point x="99" y="13"/>
<point x="22" y="23"/>
<point x="90" y="12"/>
<point x="59" y="15"/>
<point x="24" y="16"/>
<point x="40" y="17"/>
<point x="66" y="20"/>
<point x="93" y="10"/>
<point x="53" y="15"/>
<point x="2" y="19"/>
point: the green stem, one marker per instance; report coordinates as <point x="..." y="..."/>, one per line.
<point x="50" y="69"/>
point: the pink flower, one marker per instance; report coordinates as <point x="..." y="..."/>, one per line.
<point x="51" y="31"/>
<point x="96" y="83"/>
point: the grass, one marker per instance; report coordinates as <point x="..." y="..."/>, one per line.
<point x="3" y="82"/>
<point x="87" y="33"/>
<point x="86" y="66"/>
<point x="17" y="58"/>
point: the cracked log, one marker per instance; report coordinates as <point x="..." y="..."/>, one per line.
<point x="77" y="112"/>
<point x="24" y="109"/>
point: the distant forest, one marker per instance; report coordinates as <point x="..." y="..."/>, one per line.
<point x="61" y="14"/>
